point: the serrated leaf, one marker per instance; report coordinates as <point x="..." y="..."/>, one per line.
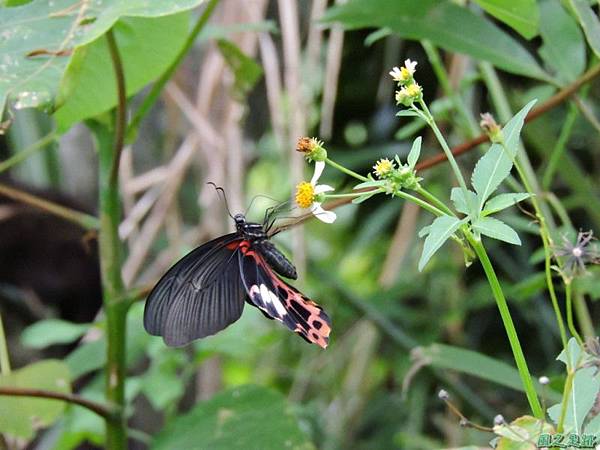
<point x="581" y="399"/>
<point x="39" y="37"/>
<point x="563" y="46"/>
<point x="446" y="24"/>
<point x="415" y="152"/>
<point x="521" y="15"/>
<point x="364" y="197"/>
<point x="496" y="229"/>
<point x="21" y="416"/>
<point x="460" y="203"/>
<point x="495" y="165"/>
<point x="503" y="201"/>
<point x="440" y="231"/>
<point x="52" y="331"/>
<point x="246" y="417"/>
<point x="589" y="22"/>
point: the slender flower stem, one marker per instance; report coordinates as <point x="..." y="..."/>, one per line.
<point x="166" y="76"/>
<point x="423" y="204"/>
<point x="570" y="323"/>
<point x="83" y="220"/>
<point x="445" y="147"/>
<point x="4" y="357"/>
<point x="27" y="152"/>
<point x="509" y="326"/>
<point x="345" y="170"/>
<point x="434" y="200"/>
<point x="565" y="401"/>
<point x="583" y="313"/>
<point x="121" y="119"/>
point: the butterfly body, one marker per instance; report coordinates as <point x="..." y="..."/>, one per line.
<point x="206" y="290"/>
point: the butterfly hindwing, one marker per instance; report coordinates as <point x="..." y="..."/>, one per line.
<point x="200" y="295"/>
<point x="280" y="301"/>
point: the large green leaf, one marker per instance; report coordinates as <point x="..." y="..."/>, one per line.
<point x="521" y="15"/>
<point x="52" y="331"/>
<point x="589" y="22"/>
<point x="477" y="365"/>
<point x="445" y="24"/>
<point x="564" y="47"/>
<point x="147" y="47"/>
<point x="21" y="416"/>
<point x="38" y="38"/>
<point x="247" y="417"/>
<point x="496" y="229"/>
<point x="495" y="165"/>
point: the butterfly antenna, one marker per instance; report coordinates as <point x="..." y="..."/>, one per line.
<point x="221" y="191"/>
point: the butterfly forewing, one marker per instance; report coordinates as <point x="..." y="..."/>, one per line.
<point x="200" y="295"/>
<point x="278" y="300"/>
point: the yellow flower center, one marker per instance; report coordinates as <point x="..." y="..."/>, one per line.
<point x="383" y="167"/>
<point x="413" y="90"/>
<point x="305" y="194"/>
<point x="405" y="74"/>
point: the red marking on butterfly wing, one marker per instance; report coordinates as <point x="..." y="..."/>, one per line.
<point x="280" y="301"/>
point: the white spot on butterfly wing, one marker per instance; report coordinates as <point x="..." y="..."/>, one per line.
<point x="270" y="297"/>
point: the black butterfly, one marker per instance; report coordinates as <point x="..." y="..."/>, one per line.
<point x="205" y="291"/>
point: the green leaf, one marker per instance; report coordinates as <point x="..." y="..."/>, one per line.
<point x="521" y="15"/>
<point x="581" y="399"/>
<point x="147" y="47"/>
<point x="444" y="23"/>
<point x="460" y="203"/>
<point x="589" y="22"/>
<point x="22" y="416"/>
<point x="415" y="152"/>
<point x="571" y="359"/>
<point x="496" y="229"/>
<point x="407" y="113"/>
<point x="371" y="183"/>
<point x="52" y="331"/>
<point x="563" y="46"/>
<point x="503" y="201"/>
<point x="245" y="70"/>
<point x="39" y="37"/>
<point x="521" y="434"/>
<point x="439" y="232"/>
<point x="476" y="364"/>
<point x="364" y="197"/>
<point x="495" y="165"/>
<point x="246" y="417"/>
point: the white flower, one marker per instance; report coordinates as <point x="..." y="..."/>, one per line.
<point x="410" y="66"/>
<point x="404" y="74"/>
<point x="309" y="195"/>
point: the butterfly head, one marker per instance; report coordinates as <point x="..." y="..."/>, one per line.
<point x="240" y="221"/>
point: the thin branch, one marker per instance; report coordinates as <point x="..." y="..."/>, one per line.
<point x="101" y="409"/>
<point x="85" y="221"/>
<point x="121" y="119"/>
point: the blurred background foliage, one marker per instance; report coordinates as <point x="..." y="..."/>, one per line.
<point x="261" y="74"/>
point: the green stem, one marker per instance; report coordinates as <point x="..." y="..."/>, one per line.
<point x="350" y="194"/>
<point x="4" y="357"/>
<point x="345" y="170"/>
<point x="434" y="200"/>
<point x="423" y="204"/>
<point x="565" y="401"/>
<point x="570" y="323"/>
<point x="166" y="76"/>
<point x="26" y="153"/>
<point x="446" y="148"/>
<point x="509" y="326"/>
<point x="583" y="313"/>
<point x="560" y="146"/>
